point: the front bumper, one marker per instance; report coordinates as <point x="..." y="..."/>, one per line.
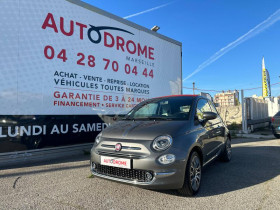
<point x="169" y="176"/>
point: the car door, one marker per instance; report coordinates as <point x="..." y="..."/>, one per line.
<point x="218" y="127"/>
<point x="209" y="139"/>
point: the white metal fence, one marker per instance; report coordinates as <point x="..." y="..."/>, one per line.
<point x="258" y="112"/>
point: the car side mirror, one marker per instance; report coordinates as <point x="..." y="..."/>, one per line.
<point x="209" y="116"/>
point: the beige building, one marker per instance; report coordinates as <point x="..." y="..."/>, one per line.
<point x="229" y="98"/>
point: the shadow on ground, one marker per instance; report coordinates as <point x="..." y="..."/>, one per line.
<point x="252" y="164"/>
<point x="249" y="166"/>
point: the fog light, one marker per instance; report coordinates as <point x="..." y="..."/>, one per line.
<point x="166" y="159"/>
<point x="93" y="165"/>
<point x="149" y="176"/>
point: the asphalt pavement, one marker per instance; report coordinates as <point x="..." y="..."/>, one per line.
<point x="250" y="181"/>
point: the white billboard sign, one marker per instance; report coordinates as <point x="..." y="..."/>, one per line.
<point x="60" y="58"/>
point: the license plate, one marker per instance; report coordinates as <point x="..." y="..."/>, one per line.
<point x="116" y="162"/>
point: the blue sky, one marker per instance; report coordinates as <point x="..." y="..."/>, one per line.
<point x="205" y="27"/>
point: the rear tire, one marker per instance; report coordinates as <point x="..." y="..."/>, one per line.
<point x="192" y="176"/>
<point x="277" y="136"/>
<point x="226" y="153"/>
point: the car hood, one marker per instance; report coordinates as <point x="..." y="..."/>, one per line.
<point x="145" y="130"/>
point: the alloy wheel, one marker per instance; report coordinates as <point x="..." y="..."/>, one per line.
<point x="195" y="173"/>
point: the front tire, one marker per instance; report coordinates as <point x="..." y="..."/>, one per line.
<point x="192" y="176"/>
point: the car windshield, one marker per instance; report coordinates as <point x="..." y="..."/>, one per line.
<point x="175" y="108"/>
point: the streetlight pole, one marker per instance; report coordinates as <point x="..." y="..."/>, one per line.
<point x="193" y="86"/>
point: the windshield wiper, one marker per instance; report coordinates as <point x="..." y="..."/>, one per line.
<point x="159" y="118"/>
<point x="148" y="118"/>
<point x="126" y="118"/>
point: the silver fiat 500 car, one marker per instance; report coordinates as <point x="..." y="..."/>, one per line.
<point x="162" y="143"/>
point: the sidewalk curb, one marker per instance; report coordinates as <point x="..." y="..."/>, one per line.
<point x="9" y="159"/>
<point x="255" y="136"/>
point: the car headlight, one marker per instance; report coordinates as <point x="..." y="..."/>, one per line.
<point x="162" y="143"/>
<point x="98" y="138"/>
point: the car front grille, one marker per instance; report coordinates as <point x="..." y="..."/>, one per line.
<point x="123" y="173"/>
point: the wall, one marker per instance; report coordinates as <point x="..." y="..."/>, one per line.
<point x="231" y="114"/>
<point x="260" y="111"/>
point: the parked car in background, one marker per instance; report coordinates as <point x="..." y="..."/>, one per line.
<point x="275" y="125"/>
<point x="162" y="143"/>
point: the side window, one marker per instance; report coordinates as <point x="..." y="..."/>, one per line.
<point x="213" y="107"/>
<point x="202" y="106"/>
<point x="218" y="119"/>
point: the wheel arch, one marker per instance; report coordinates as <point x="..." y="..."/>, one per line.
<point x="197" y="149"/>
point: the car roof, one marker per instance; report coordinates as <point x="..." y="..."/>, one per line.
<point x="169" y="96"/>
